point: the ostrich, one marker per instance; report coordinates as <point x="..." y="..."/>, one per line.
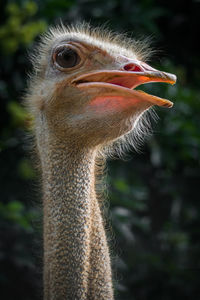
<point x="82" y="97"/>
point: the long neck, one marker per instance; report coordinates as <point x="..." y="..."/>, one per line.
<point x="76" y="256"/>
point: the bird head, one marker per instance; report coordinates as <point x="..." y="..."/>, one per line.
<point x="84" y="84"/>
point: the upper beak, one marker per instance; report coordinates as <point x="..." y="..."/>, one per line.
<point x="121" y="83"/>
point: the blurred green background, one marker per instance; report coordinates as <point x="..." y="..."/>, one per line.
<point x="153" y="196"/>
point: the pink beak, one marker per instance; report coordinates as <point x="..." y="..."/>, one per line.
<point x="121" y="83"/>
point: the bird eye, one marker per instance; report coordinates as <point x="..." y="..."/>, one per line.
<point x="66" y="57"/>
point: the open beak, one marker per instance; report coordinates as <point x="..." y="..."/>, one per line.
<point x="117" y="83"/>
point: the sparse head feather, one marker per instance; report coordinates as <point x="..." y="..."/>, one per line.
<point x="102" y="37"/>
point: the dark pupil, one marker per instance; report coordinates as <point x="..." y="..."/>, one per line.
<point x="67" y="58"/>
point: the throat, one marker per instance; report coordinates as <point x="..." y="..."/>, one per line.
<point x="73" y="227"/>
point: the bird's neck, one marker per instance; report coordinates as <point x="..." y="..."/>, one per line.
<point x="76" y="256"/>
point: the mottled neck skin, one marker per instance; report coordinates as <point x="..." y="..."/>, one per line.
<point x="76" y="256"/>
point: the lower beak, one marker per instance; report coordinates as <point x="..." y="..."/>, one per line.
<point x="114" y="83"/>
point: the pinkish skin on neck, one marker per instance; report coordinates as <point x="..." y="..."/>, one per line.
<point x="76" y="255"/>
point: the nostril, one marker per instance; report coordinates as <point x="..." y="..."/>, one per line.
<point x="132" y="67"/>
